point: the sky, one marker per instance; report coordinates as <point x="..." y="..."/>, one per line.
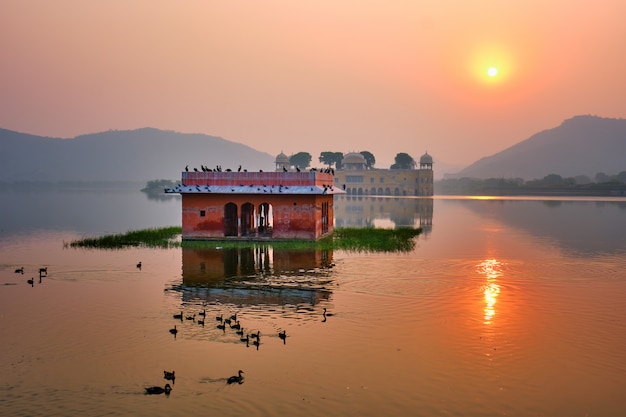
<point x="459" y="79"/>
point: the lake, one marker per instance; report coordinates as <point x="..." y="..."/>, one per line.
<point x="505" y="306"/>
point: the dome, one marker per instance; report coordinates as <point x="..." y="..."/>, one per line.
<point x="426" y="159"/>
<point x="354" y="158"/>
<point x="281" y="158"/>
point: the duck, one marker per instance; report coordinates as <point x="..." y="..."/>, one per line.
<point x="234" y="317"/>
<point x="20" y="270"/>
<point x="327" y="314"/>
<point x="201" y="322"/>
<point x="31" y="281"/>
<point x="256" y="335"/>
<point x="191" y="317"/>
<point x="236" y="378"/>
<point x="159" y="390"/>
<point x="171" y="376"/>
<point x="174" y="331"/>
<point x="240" y="331"/>
<point x="283" y="334"/>
<point x="178" y="316"/>
<point x="245" y="339"/>
<point x="235" y="326"/>
<point x="222" y="326"/>
<point x="219" y="318"/>
<point x="43" y="270"/>
<point x="203" y="313"/>
<point x="139" y="265"/>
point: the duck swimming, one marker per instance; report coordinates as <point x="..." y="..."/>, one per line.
<point x="236" y="378"/>
<point x="178" y="316"/>
<point x="169" y="375"/>
<point x="159" y="390"/>
<point x="20" y="271"/>
<point x="174" y="331"/>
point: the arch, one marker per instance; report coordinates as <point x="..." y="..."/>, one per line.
<point x="230" y="220"/>
<point x="360" y="191"/>
<point x="265" y="220"/>
<point x="396" y="191"/>
<point x="387" y="191"/>
<point x="247" y="219"/>
<point x="373" y="191"/>
<point x="380" y="191"/>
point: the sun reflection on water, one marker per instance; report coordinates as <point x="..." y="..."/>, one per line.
<point x="492" y="269"/>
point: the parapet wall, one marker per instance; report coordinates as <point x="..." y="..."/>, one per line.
<point x="231" y="178"/>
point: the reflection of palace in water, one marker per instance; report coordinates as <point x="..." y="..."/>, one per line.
<point x="256" y="275"/>
<point x="358" y="211"/>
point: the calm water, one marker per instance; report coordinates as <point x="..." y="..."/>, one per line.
<point x="505" y="307"/>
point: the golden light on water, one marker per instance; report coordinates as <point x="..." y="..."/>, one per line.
<point x="492" y="269"/>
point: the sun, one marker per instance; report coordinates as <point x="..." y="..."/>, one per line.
<point x="492" y="71"/>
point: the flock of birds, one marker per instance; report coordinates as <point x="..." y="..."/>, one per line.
<point x="43" y="272"/>
<point x="218" y="168"/>
<point x="226" y="322"/>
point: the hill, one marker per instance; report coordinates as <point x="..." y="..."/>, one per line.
<point x="582" y="145"/>
<point x="124" y="155"/>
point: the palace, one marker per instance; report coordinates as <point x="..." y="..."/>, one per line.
<point x="356" y="179"/>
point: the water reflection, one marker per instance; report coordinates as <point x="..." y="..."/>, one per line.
<point x="492" y="270"/>
<point x="359" y="211"/>
<point x="256" y="275"/>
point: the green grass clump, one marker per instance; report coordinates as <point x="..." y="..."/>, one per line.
<point x="156" y="238"/>
<point x="349" y="239"/>
<point x="375" y="240"/>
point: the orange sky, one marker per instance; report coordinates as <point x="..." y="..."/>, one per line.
<point x="283" y="75"/>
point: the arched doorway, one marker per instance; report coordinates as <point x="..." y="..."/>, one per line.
<point x="230" y="219"/>
<point x="247" y="220"/>
<point x="265" y="220"/>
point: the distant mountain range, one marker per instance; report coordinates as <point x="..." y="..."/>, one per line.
<point x="582" y="145"/>
<point x="120" y="155"/>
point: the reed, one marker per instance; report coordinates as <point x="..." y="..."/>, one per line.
<point x="349" y="239"/>
<point x="164" y="237"/>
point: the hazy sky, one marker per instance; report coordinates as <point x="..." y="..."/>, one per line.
<point x="384" y="76"/>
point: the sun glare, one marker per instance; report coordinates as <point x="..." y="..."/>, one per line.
<point x="492" y="71"/>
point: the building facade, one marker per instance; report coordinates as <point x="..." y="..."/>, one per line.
<point x="256" y="205"/>
<point x="356" y="179"/>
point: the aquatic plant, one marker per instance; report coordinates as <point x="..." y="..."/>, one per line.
<point x="350" y="239"/>
<point x="164" y="237"/>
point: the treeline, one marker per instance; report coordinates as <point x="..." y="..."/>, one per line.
<point x="550" y="184"/>
<point x="303" y="160"/>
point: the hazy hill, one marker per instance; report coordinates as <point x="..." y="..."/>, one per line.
<point x="120" y="155"/>
<point x="582" y="145"/>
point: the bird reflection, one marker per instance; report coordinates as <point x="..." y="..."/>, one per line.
<point x="170" y="376"/>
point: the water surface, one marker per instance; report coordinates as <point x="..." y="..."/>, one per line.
<point x="504" y="307"/>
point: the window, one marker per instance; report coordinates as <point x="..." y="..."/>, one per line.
<point x="202" y="213"/>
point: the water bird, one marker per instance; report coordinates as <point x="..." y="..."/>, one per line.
<point x="236" y="378"/>
<point x="283" y="335"/>
<point x="203" y="313"/>
<point x="219" y="318"/>
<point x="235" y="326"/>
<point x="170" y="376"/>
<point x="174" y="331"/>
<point x="159" y="390"/>
<point x="240" y="331"/>
<point x="191" y="317"/>
<point x="233" y="317"/>
<point x="20" y="271"/>
<point x="43" y="270"/>
<point x="139" y="265"/>
<point x="256" y="335"/>
<point x="222" y="326"/>
<point x="246" y="339"/>
<point x="31" y="282"/>
<point x="327" y="314"/>
<point x="227" y="321"/>
<point x="178" y="316"/>
<point x="201" y="322"/>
